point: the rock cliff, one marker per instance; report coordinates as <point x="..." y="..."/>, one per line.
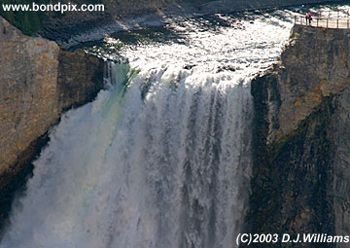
<point x="38" y="81"/>
<point x="301" y="175"/>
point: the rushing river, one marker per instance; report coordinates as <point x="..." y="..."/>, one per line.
<point x="162" y="158"/>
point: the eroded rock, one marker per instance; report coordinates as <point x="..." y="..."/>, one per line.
<point x="38" y="81"/>
<point x="301" y="164"/>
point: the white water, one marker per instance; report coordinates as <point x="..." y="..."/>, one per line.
<point x="167" y="170"/>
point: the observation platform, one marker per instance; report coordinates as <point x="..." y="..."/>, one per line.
<point x="324" y="22"/>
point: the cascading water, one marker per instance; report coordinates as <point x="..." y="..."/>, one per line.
<point x="163" y="162"/>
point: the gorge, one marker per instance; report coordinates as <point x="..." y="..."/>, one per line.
<point x="165" y="163"/>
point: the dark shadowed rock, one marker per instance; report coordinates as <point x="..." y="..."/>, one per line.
<point x="301" y="130"/>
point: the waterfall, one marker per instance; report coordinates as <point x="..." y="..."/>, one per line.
<point x="161" y="159"/>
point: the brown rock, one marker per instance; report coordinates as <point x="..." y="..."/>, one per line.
<point x="301" y="136"/>
<point x="38" y="81"/>
<point x="28" y="91"/>
<point x="313" y="66"/>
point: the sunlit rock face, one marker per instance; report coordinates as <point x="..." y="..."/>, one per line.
<point x="301" y="133"/>
<point x="37" y="81"/>
<point x="28" y="91"/>
<point x="313" y="66"/>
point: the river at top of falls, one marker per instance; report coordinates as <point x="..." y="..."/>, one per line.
<point x="162" y="163"/>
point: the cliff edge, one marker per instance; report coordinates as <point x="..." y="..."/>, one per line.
<point x="38" y="81"/>
<point x="301" y="174"/>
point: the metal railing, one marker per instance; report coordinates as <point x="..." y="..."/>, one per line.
<point x="325" y="22"/>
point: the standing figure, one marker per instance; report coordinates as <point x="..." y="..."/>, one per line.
<point x="308" y="18"/>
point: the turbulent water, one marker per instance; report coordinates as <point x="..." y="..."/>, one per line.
<point x="162" y="158"/>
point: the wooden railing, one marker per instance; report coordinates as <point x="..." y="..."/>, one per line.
<point x="325" y="22"/>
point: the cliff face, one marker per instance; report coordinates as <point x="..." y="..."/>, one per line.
<point x="38" y="82"/>
<point x="28" y="86"/>
<point x="301" y="181"/>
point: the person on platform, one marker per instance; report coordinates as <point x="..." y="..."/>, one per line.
<point x="308" y="18"/>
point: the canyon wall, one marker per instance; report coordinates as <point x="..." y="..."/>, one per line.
<point x="38" y="81"/>
<point x="301" y="176"/>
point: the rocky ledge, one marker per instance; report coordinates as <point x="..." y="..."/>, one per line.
<point x="38" y="81"/>
<point x="301" y="174"/>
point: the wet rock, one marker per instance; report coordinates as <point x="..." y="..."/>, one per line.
<point x="226" y="68"/>
<point x="189" y="67"/>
